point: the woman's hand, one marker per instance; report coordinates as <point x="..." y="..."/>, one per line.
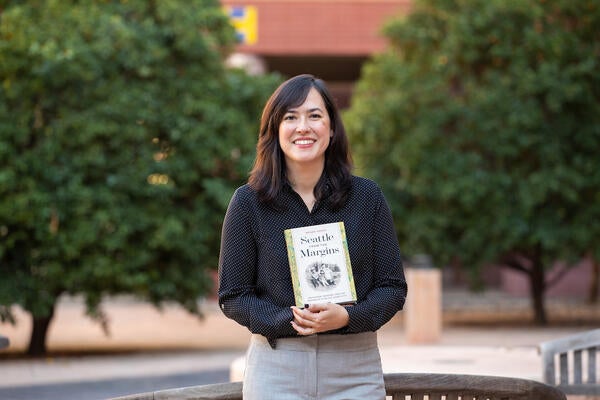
<point x="319" y="318"/>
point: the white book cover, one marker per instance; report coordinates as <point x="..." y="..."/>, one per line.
<point x="320" y="264"/>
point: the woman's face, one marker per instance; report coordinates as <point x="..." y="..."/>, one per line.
<point x="304" y="131"/>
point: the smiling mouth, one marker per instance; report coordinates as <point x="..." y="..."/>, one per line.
<point x="304" y="141"/>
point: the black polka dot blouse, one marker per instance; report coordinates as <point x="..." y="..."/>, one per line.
<point x="255" y="286"/>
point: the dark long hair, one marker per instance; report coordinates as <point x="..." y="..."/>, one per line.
<point x="268" y="176"/>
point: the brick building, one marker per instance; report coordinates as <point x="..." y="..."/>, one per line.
<point x="328" y="38"/>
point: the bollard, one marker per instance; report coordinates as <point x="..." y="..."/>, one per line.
<point x="423" y="309"/>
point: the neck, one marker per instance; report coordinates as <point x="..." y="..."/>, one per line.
<point x="304" y="178"/>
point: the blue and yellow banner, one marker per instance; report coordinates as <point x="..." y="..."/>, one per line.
<point x="245" y="21"/>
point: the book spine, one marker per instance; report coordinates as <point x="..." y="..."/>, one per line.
<point x="289" y="240"/>
<point x="347" y="256"/>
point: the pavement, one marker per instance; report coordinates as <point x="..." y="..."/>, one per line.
<point x="145" y="342"/>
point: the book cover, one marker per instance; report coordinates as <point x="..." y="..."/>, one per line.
<point x="320" y="264"/>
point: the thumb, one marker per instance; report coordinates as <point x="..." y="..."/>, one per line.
<point x="317" y="307"/>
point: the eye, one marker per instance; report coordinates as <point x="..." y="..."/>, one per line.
<point x="289" y="117"/>
<point x="315" y="116"/>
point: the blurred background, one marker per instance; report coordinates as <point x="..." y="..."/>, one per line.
<point x="125" y="127"/>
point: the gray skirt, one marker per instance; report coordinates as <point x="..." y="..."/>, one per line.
<point x="317" y="367"/>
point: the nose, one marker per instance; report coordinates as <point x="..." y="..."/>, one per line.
<point x="303" y="125"/>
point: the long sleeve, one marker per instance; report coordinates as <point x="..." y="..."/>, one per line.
<point x="388" y="290"/>
<point x="238" y="263"/>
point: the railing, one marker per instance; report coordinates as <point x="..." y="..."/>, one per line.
<point x="416" y="386"/>
<point x="570" y="364"/>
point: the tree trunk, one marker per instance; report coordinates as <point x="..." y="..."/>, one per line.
<point x="594" y="282"/>
<point x="537" y="283"/>
<point x="37" y="342"/>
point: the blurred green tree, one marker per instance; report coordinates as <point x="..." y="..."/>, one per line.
<point x="122" y="137"/>
<point x="482" y="122"/>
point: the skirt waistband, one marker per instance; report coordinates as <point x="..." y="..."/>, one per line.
<point x="322" y="342"/>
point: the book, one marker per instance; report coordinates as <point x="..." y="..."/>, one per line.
<point x="320" y="264"/>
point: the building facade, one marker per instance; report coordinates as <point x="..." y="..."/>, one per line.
<point x="328" y="38"/>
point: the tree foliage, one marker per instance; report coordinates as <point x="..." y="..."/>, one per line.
<point x="122" y="137"/>
<point x="482" y="121"/>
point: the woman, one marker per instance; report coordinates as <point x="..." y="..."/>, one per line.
<point x="301" y="177"/>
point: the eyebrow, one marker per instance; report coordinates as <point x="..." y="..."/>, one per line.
<point x="295" y="110"/>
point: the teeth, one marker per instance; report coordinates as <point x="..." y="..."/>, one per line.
<point x="304" y="141"/>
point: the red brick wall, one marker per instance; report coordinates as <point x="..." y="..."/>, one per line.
<point x="314" y="27"/>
